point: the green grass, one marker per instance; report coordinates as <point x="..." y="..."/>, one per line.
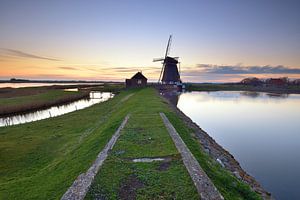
<point x="40" y="160"/>
<point x="36" y="101"/>
<point x="117" y="169"/>
<point x="144" y="136"/>
<point x="218" y="87"/>
<point x="109" y="87"/>
<point x="42" y="97"/>
<point x="240" y="87"/>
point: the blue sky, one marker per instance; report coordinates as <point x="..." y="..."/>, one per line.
<point x="98" y="38"/>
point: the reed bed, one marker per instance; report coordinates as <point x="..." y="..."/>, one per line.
<point x="43" y="100"/>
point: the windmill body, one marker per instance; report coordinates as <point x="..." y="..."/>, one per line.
<point x="169" y="73"/>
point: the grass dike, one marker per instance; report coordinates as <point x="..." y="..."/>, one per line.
<point x="41" y="160"/>
<point x="146" y="136"/>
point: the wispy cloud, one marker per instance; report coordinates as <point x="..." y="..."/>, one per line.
<point x="109" y="73"/>
<point x="227" y="69"/>
<point x="111" y="69"/>
<point x="17" y="53"/>
<point x="68" y="68"/>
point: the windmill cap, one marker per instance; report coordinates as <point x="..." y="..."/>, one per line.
<point x="171" y="60"/>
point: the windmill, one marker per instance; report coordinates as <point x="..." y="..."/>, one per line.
<point x="169" y="72"/>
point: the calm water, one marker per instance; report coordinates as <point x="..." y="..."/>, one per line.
<point x="21" y="85"/>
<point x="95" y="97"/>
<point x="261" y="130"/>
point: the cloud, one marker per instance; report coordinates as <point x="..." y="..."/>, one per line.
<point x="68" y="68"/>
<point x="50" y="75"/>
<point x="211" y="77"/>
<point x="123" y="72"/>
<point x="22" y="54"/>
<point x="228" y="73"/>
<point x="131" y="69"/>
<point x="225" y="69"/>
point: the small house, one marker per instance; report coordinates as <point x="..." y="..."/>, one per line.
<point x="138" y="80"/>
<point x="277" y="81"/>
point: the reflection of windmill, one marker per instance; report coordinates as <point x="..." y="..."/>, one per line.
<point x="169" y="70"/>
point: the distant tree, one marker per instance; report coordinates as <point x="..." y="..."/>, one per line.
<point x="252" y="81"/>
<point x="296" y="82"/>
<point x="16" y="80"/>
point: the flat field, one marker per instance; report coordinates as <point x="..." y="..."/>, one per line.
<point x="24" y="100"/>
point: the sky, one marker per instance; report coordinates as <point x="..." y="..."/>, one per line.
<point x="216" y="41"/>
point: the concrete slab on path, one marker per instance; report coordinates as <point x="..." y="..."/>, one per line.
<point x="79" y="188"/>
<point x="204" y="185"/>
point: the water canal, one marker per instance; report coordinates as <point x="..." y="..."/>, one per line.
<point x="261" y="130"/>
<point x="95" y="97"/>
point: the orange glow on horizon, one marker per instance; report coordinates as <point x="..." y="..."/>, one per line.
<point x="29" y="68"/>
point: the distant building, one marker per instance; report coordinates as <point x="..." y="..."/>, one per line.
<point x="138" y="80"/>
<point x="277" y="81"/>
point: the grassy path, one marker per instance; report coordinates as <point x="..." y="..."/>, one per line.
<point x="146" y="136"/>
<point x="41" y="160"/>
<point x="120" y="178"/>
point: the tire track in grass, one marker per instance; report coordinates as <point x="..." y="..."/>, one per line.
<point x="81" y="185"/>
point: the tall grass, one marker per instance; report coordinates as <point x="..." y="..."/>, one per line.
<point x="18" y="105"/>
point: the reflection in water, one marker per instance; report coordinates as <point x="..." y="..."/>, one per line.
<point x="262" y="94"/>
<point x="275" y="95"/>
<point x="235" y="95"/>
<point x="261" y="130"/>
<point x="172" y="96"/>
<point x="71" y="89"/>
<point x="250" y="94"/>
<point x="95" y="97"/>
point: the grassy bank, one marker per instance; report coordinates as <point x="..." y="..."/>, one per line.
<point x="39" y="100"/>
<point x="240" y="87"/>
<point x="119" y="172"/>
<point x="22" y="100"/>
<point x="108" y="87"/>
<point x="40" y="160"/>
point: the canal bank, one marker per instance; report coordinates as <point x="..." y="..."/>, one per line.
<point x="25" y="99"/>
<point x="145" y="137"/>
<point x="216" y="151"/>
<point x="93" y="97"/>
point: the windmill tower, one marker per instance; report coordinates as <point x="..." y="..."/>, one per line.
<point x="169" y="73"/>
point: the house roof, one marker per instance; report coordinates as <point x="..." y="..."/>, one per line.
<point x="138" y="75"/>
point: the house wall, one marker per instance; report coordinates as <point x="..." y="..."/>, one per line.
<point x="136" y="83"/>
